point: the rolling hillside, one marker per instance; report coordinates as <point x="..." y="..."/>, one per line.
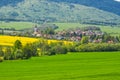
<point x="9" y="2"/>
<point x="106" y="5"/>
<point x="50" y="11"/>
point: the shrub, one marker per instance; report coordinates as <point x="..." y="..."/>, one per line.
<point x="18" y="44"/>
<point x="1" y="51"/>
<point x="1" y="59"/>
<point x="8" y="53"/>
<point x="98" y="47"/>
<point x="85" y="40"/>
<point x="18" y="54"/>
<point x="28" y="51"/>
<point x="58" y="49"/>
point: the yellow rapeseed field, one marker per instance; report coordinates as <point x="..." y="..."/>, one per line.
<point x="56" y="41"/>
<point x="9" y="40"/>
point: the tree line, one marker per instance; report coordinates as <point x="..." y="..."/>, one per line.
<point x="42" y="47"/>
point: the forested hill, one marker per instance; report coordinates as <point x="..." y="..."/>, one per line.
<point x="57" y="11"/>
<point x="9" y="2"/>
<point x="106" y="5"/>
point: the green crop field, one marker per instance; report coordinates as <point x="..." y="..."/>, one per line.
<point x="73" y="66"/>
<point x="16" y="25"/>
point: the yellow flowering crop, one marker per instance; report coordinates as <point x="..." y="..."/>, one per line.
<point x="9" y="40"/>
<point x="57" y="41"/>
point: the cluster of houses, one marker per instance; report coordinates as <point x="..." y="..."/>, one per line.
<point x="72" y="35"/>
<point x="76" y="35"/>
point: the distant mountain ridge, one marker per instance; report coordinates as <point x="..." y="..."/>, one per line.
<point x="55" y="11"/>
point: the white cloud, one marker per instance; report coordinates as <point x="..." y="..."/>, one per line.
<point x="117" y="0"/>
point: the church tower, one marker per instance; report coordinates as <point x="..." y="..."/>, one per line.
<point x="35" y="29"/>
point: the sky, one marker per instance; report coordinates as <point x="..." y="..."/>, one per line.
<point x="117" y="0"/>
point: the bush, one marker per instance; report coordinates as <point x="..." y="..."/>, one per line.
<point x="8" y="53"/>
<point x="98" y="47"/>
<point x="1" y="51"/>
<point x="18" y="44"/>
<point x="58" y="49"/>
<point x="18" y="54"/>
<point x="85" y="40"/>
<point x="28" y="51"/>
<point x="1" y="59"/>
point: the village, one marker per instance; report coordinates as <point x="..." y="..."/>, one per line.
<point x="48" y="31"/>
<point x="71" y="34"/>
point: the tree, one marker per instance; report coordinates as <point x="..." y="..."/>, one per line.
<point x="33" y="48"/>
<point x="43" y="46"/>
<point x="2" y="31"/>
<point x="85" y="40"/>
<point x="17" y="44"/>
<point x="48" y="31"/>
<point x="1" y="59"/>
<point x="118" y="39"/>
<point x="1" y="52"/>
<point x="18" y="54"/>
<point x="29" y="50"/>
<point x="58" y="49"/>
<point x="17" y="51"/>
<point x="8" y="53"/>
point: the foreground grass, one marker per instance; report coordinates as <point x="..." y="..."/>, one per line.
<point x="75" y="66"/>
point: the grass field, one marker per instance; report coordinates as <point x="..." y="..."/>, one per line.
<point x="16" y="25"/>
<point x="75" y="66"/>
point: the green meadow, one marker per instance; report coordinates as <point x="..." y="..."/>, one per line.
<point x="16" y="25"/>
<point x="73" y="66"/>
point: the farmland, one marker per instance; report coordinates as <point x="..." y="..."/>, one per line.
<point x="59" y="40"/>
<point x="73" y="66"/>
<point x="9" y="40"/>
<point x="16" y="25"/>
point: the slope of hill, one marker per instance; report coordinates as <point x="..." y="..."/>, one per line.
<point x="43" y="10"/>
<point x="9" y="2"/>
<point x="106" y="5"/>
